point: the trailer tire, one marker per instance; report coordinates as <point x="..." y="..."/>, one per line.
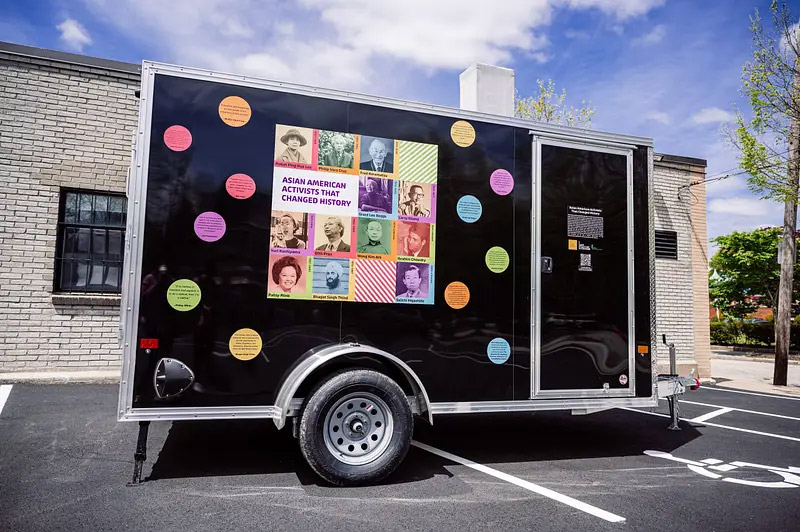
<point x="356" y="428"/>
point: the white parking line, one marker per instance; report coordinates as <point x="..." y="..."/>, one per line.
<point x="715" y="413"/>
<point x="740" y="410"/>
<point x="780" y="436"/>
<point x="718" y="389"/>
<point x="5" y="391"/>
<point x="569" y="501"/>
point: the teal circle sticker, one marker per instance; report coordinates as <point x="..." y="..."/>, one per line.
<point x="498" y="350"/>
<point x="469" y="208"/>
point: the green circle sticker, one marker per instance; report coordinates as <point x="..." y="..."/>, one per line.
<point x="183" y="295"/>
<point x="497" y="259"/>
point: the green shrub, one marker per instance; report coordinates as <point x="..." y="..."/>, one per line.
<point x="759" y="332"/>
<point x="725" y="332"/>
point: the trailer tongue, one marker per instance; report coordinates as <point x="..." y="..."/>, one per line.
<point x="347" y="262"/>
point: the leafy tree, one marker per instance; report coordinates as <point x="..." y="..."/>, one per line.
<point x="548" y="106"/>
<point x="745" y="265"/>
<point x="770" y="145"/>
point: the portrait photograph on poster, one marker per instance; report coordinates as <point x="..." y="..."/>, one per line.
<point x="289" y="230"/>
<point x="376" y="196"/>
<point x="337" y="150"/>
<point x="414" y="240"/>
<point x="333" y="234"/>
<point x="374" y="236"/>
<point x="288" y="275"/>
<point x="294" y="146"/>
<point x="415" y="200"/>
<point x="413" y="282"/>
<point x="377" y="154"/>
<point x="331" y="276"/>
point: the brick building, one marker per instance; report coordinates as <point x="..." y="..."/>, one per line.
<point x="65" y="141"/>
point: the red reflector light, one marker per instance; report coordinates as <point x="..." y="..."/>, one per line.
<point x="148" y="343"/>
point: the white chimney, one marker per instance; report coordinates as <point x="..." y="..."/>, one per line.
<point x="488" y="89"/>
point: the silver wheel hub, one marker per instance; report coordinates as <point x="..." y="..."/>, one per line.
<point x="358" y="428"/>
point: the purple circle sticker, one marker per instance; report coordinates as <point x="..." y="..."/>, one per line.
<point x="502" y="182"/>
<point x="209" y="226"/>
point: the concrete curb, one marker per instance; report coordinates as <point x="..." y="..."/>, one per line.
<point x="62" y="377"/>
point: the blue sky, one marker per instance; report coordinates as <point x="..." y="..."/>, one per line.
<point x="667" y="69"/>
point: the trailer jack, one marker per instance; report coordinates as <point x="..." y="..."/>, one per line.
<point x="141" y="453"/>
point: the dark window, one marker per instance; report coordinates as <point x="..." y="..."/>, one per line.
<point x="91" y="238"/>
<point x="667" y="245"/>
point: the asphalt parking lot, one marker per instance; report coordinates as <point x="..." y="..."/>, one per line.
<point x="65" y="461"/>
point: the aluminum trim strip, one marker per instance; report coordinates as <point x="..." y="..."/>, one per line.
<point x="539" y="405"/>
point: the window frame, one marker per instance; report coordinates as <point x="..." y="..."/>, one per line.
<point x="93" y="259"/>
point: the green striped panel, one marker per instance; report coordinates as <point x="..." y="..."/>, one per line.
<point x="417" y="162"/>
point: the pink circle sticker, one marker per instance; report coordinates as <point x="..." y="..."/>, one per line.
<point x="177" y="138"/>
<point x="240" y="186"/>
<point x="209" y="226"/>
<point x="501" y="182"/>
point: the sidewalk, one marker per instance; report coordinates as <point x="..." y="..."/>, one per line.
<point x="752" y="374"/>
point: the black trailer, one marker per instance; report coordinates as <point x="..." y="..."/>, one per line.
<point x="345" y="262"/>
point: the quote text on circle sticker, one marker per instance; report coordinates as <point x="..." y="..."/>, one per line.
<point x="623" y="379"/>
<point x="183" y="295"/>
<point x="209" y="226"/>
<point x="497" y="259"/>
<point x="498" y="350"/>
<point x="462" y="133"/>
<point x="245" y="344"/>
<point x="502" y="182"/>
<point x="456" y="295"/>
<point x="177" y="138"/>
<point x="469" y="208"/>
<point x="240" y="186"/>
<point x="234" y="111"/>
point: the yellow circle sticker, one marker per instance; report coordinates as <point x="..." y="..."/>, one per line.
<point x="462" y="133"/>
<point x="234" y="111"/>
<point x="497" y="259"/>
<point x="183" y="295"/>
<point x="456" y="295"/>
<point x="245" y="344"/>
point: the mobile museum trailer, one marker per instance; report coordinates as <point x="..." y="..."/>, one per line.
<point x="341" y="263"/>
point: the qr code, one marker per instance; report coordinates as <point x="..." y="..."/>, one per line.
<point x="586" y="260"/>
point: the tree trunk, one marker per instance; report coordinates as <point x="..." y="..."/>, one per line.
<point x="783" y="319"/>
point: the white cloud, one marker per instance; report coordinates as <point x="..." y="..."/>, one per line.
<point x="346" y="43"/>
<point x="659" y="116"/>
<point x="577" y="34"/>
<point x="654" y="36"/>
<point x="740" y="206"/>
<point x="74" y="35"/>
<point x="710" y="115"/>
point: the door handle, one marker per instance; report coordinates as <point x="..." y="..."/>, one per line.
<point x="547" y="264"/>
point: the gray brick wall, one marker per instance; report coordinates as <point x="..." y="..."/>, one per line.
<point x="674" y="308"/>
<point x="63" y="125"/>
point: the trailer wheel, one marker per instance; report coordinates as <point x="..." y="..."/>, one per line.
<point x="356" y="428"/>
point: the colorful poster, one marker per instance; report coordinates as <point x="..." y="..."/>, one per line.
<point x="353" y="217"/>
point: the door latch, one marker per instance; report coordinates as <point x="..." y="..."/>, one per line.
<point x="547" y="264"/>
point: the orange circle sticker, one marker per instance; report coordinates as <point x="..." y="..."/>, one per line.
<point x="177" y="138"/>
<point x="462" y="133"/>
<point x="245" y="344"/>
<point x="456" y="295"/>
<point x="234" y="111"/>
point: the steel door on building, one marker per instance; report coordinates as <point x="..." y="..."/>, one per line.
<point x="582" y="299"/>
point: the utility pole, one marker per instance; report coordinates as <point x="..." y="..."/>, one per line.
<point x="783" y="320"/>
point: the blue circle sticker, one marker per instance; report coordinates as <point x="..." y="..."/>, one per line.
<point x="498" y="350"/>
<point x="469" y="208"/>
